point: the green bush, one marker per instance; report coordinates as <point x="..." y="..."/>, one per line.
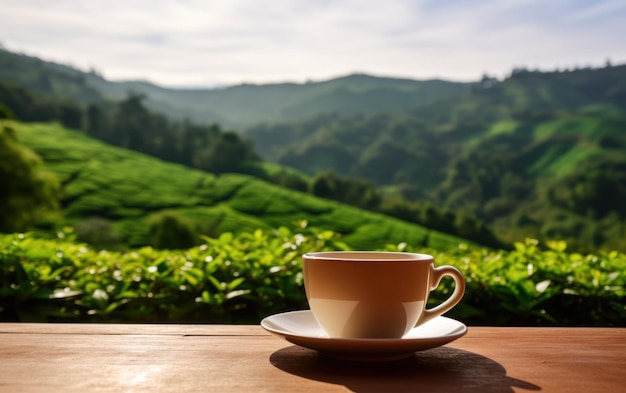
<point x="28" y="191"/>
<point x="168" y="230"/>
<point x="242" y="278"/>
<point x="98" y="232"/>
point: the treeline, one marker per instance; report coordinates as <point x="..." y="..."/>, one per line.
<point x="362" y="193"/>
<point x="131" y="125"/>
<point x="17" y="102"/>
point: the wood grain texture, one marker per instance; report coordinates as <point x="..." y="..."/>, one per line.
<point x="223" y="358"/>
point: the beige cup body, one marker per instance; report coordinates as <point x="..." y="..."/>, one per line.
<point x="367" y="294"/>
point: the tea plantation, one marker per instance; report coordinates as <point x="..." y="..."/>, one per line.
<point x="242" y="278"/>
<point x="126" y="188"/>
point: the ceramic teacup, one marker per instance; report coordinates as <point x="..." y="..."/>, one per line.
<point x="372" y="294"/>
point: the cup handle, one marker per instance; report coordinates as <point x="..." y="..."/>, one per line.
<point x="459" y="290"/>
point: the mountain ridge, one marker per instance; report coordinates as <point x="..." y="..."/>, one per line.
<point x="237" y="106"/>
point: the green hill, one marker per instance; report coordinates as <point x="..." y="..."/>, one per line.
<point x="126" y="188"/>
<point x="537" y="154"/>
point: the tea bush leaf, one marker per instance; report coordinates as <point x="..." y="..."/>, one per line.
<point x="240" y="278"/>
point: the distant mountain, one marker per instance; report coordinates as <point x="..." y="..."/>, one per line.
<point x="585" y="107"/>
<point x="234" y="107"/>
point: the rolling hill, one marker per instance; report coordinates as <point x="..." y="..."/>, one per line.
<point x="126" y="188"/>
<point x="537" y="154"/>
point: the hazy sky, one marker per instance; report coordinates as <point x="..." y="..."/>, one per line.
<point x="204" y="43"/>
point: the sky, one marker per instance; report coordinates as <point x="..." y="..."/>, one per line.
<point x="206" y="43"/>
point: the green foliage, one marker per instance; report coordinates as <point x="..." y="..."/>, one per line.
<point x="168" y="230"/>
<point x="225" y="153"/>
<point x="242" y="278"/>
<point x="227" y="279"/>
<point x="28" y="192"/>
<point x="597" y="189"/>
<point x="131" y="125"/>
<point x="26" y="105"/>
<point x="98" y="232"/>
<point x="5" y="112"/>
<point x="450" y="221"/>
<point x="530" y="285"/>
<point x="355" y="191"/>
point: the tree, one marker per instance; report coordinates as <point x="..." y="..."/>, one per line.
<point x="97" y="122"/>
<point x="225" y="153"/>
<point x="27" y="191"/>
<point x="354" y="191"/>
<point x="5" y="112"/>
<point x="488" y="81"/>
<point x="71" y="116"/>
<point x="323" y="185"/>
<point x="130" y="122"/>
<point x="290" y="180"/>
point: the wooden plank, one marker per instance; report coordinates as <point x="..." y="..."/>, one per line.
<point x="131" y="329"/>
<point x="164" y="358"/>
<point x="556" y="360"/>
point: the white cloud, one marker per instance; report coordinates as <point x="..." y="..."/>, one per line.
<point x="195" y="42"/>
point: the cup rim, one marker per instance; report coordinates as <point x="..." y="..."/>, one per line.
<point x="367" y="256"/>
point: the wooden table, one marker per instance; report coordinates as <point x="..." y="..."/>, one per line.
<point x="222" y="358"/>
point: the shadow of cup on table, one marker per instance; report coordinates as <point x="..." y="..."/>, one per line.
<point x="441" y="369"/>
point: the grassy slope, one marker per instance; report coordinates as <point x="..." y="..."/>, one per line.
<point x="566" y="141"/>
<point x="576" y="137"/>
<point x="126" y="187"/>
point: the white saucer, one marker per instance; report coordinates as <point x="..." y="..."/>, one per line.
<point x="301" y="328"/>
